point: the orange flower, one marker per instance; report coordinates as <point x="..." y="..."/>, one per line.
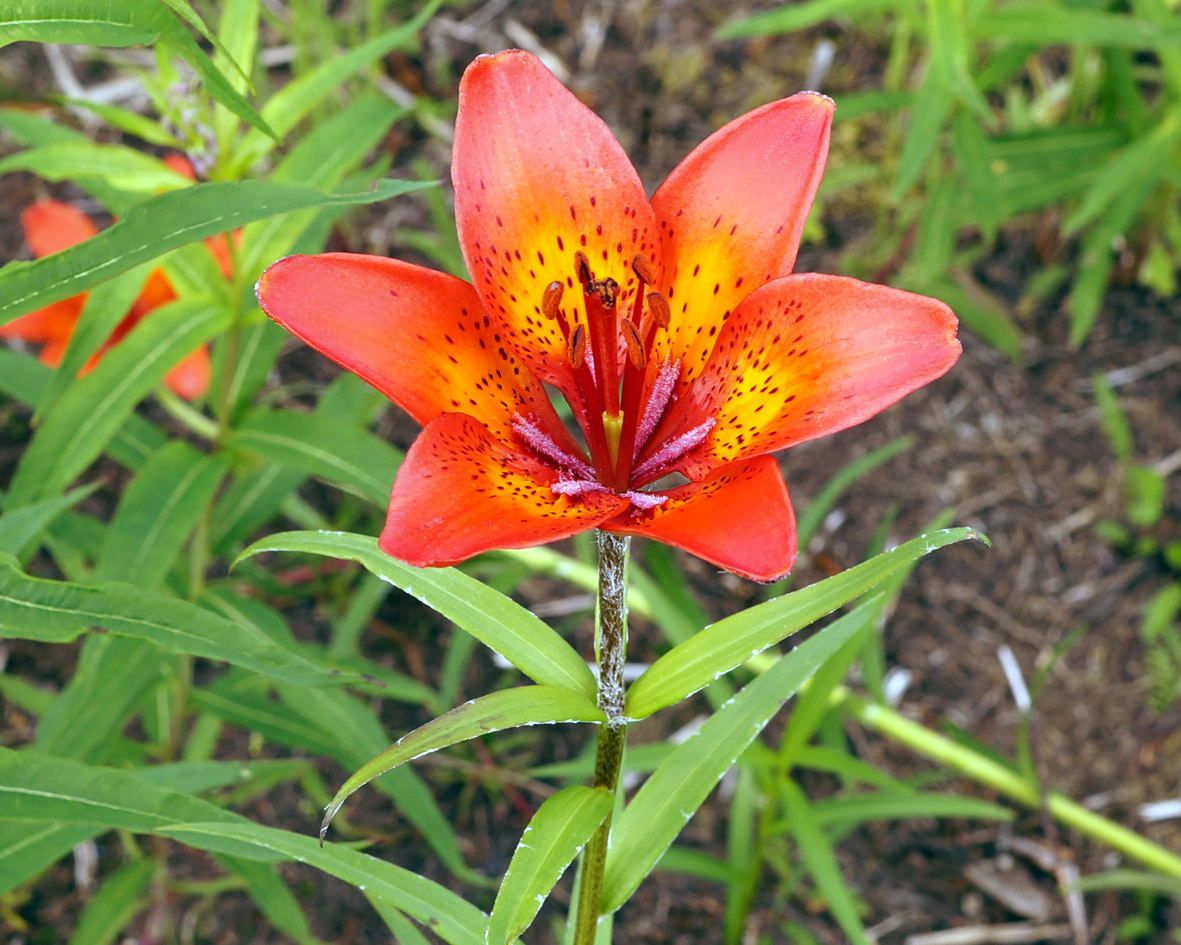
<point x="673" y="328"/>
<point x="51" y="226"/>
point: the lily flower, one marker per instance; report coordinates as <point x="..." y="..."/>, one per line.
<point x="672" y="327"/>
<point x="51" y="226"/>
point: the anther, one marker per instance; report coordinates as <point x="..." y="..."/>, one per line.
<point x="582" y="268"/>
<point x="552" y="299"/>
<point x="576" y="347"/>
<point x="643" y="269"/>
<point x="635" y="347"/>
<point x="658" y="308"/>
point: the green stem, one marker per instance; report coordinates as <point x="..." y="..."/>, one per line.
<point x="996" y="776"/>
<point x="610" y="654"/>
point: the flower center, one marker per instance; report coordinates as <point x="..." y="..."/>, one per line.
<point x="624" y="393"/>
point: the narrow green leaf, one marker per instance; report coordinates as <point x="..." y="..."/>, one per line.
<point x="322" y="446"/>
<point x="446" y="914"/>
<point x="119" y="166"/>
<point x="25" y="379"/>
<point x="321" y="158"/>
<point x="1095" y="258"/>
<point x="272" y="896"/>
<point x="555" y="835"/>
<point x="359" y="735"/>
<point x="28" y="847"/>
<point x="509" y="708"/>
<point x="818" y="857"/>
<point x="1050" y="24"/>
<point x="106" y="305"/>
<point x="856" y="809"/>
<point x="20" y="526"/>
<point x="240" y="701"/>
<point x="92" y="410"/>
<point x="157" y="512"/>
<point x="797" y="16"/>
<point x="932" y="106"/>
<point x="116" y="903"/>
<point x="504" y="626"/>
<point x="666" y="801"/>
<point x="129" y="122"/>
<point x="58" y="611"/>
<point x="164" y="222"/>
<point x="1115" y="423"/>
<point x="120" y="23"/>
<point x="971" y="155"/>
<point x="1144" y="157"/>
<point x="252" y="499"/>
<point x="112" y="675"/>
<point x="730" y="642"/>
<point x="38" y="787"/>
<point x="299" y="97"/>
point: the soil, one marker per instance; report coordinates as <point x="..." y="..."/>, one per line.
<point x="1016" y="450"/>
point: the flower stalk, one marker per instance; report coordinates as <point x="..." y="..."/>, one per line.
<point x="610" y="655"/>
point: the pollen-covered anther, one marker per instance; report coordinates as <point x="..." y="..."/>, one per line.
<point x="643" y="269"/>
<point x="635" y="346"/>
<point x="645" y="500"/>
<point x="673" y="450"/>
<point x="658" y="308"/>
<point x="551" y="301"/>
<point x="541" y="443"/>
<point x="576" y="347"/>
<point x="567" y="486"/>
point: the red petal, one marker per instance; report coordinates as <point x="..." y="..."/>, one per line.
<point x="54" y="322"/>
<point x="739" y="518"/>
<point x="538" y="177"/>
<point x="731" y="214"/>
<point x="51" y="226"/>
<point x="809" y="355"/>
<point x="156" y="291"/>
<point x="179" y="164"/>
<point x="462" y="491"/>
<point x="190" y="377"/>
<point x="418" y="336"/>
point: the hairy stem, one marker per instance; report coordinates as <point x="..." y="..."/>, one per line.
<point x="610" y="654"/>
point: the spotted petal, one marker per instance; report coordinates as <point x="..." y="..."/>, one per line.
<point x="418" y="336"/>
<point x="739" y="518"/>
<point x="806" y="356"/>
<point x="462" y="491"/>
<point x="538" y="177"/>
<point x="732" y="212"/>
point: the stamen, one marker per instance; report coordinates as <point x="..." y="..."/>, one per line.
<point x="673" y="450"/>
<point x="635" y="347"/>
<point x="552" y="299"/>
<point x="577" y="487"/>
<point x="582" y="268"/>
<point x="543" y="444"/>
<point x="658" y="308"/>
<point x="576" y="347"/>
<point x="643" y="269"/>
<point x="645" y="500"/>
<point x="662" y="390"/>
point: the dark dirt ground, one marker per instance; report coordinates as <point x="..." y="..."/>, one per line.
<point x="1017" y="451"/>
